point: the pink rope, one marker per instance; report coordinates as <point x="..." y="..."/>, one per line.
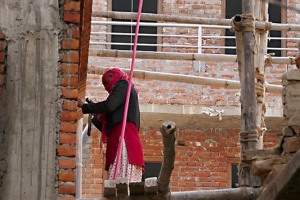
<point x="128" y="89"/>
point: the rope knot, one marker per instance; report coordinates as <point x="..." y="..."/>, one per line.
<point x="243" y="23"/>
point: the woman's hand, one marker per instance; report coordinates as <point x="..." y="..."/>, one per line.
<point x="79" y="103"/>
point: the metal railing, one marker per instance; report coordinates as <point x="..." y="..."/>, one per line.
<point x="203" y="37"/>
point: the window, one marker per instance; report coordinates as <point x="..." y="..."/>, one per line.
<point x="233" y="179"/>
<point x="234" y="175"/>
<point x="124" y="40"/>
<point x="234" y="7"/>
<point x="152" y="169"/>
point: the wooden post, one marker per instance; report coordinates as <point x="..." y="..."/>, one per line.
<point x="248" y="135"/>
<point x="168" y="129"/>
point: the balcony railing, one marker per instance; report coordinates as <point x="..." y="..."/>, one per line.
<point x="182" y="38"/>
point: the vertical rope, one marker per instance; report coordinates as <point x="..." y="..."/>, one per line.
<point x="128" y="89"/>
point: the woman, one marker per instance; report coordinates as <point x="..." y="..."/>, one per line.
<point x="109" y="119"/>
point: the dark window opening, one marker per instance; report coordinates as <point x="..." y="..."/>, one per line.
<point x="234" y="7"/>
<point x="234" y="175"/>
<point x="274" y="17"/>
<point x="149" y="6"/>
<point x="152" y="169"/>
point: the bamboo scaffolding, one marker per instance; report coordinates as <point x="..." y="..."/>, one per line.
<point x="180" y="56"/>
<point x="192" y="20"/>
<point x="261" y="13"/>
<point x="181" y="78"/>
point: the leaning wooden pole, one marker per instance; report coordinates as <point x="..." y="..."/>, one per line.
<point x="248" y="134"/>
<point x="168" y="129"/>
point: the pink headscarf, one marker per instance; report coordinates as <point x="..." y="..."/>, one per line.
<point x="111" y="77"/>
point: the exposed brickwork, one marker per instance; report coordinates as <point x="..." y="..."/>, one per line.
<point x="202" y="163"/>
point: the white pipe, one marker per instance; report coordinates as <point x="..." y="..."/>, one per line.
<point x="79" y="158"/>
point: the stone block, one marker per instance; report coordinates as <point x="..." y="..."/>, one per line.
<point x="151" y="185"/>
<point x="296" y="130"/>
<point x="292" y="75"/>
<point x="109" y="188"/>
<point x="293" y="90"/>
<point x="294" y="120"/>
<point x="122" y="187"/>
<point x="291" y="144"/>
<point x="136" y="188"/>
<point x="288" y="132"/>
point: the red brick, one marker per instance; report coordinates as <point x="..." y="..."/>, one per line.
<point x="3" y="45"/>
<point x="2" y="35"/>
<point x="69" y="81"/>
<point x="72" y="6"/>
<point x="66" y="151"/>
<point x="66" y="176"/>
<point x="68" y="127"/>
<point x="67" y="164"/>
<point x="2" y="68"/>
<point x="66" y="188"/>
<point x="1" y="80"/>
<point x="67" y="68"/>
<point x="2" y="56"/>
<point x="72" y="17"/>
<point x="69" y="93"/>
<point x="73" y="32"/>
<point x="70" y="105"/>
<point x="65" y="138"/>
<point x="70" y="57"/>
<point x="69" y="116"/>
<point x="70" y="44"/>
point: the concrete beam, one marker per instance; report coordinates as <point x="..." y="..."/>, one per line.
<point x="153" y="115"/>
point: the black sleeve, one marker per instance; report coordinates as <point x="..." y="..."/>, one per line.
<point x="113" y="101"/>
<point x="97" y="123"/>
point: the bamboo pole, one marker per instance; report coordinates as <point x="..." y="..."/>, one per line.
<point x="192" y="20"/>
<point x="181" y="78"/>
<point x="261" y="13"/>
<point x="180" y="56"/>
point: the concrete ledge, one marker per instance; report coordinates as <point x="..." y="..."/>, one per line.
<point x="153" y="115"/>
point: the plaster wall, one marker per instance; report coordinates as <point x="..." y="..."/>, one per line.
<point x="29" y="120"/>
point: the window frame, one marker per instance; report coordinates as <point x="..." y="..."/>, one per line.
<point x="231" y="161"/>
<point x="283" y="20"/>
<point x="153" y="159"/>
<point x="159" y="29"/>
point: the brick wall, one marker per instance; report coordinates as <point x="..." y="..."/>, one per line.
<point x="203" y="158"/>
<point x="203" y="163"/>
<point x="66" y="151"/>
